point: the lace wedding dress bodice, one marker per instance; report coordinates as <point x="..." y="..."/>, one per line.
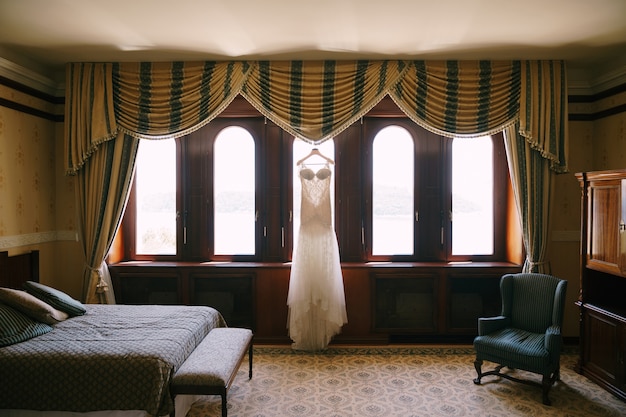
<point x="316" y="299"/>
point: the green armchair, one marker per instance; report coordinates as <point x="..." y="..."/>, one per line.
<point x="527" y="335"/>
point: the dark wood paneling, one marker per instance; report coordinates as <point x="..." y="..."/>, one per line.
<point x="371" y="291"/>
<point x="17" y="269"/>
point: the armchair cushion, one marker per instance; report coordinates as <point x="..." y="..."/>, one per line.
<point x="515" y="347"/>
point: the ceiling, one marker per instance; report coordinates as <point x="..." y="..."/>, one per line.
<point x="53" y="32"/>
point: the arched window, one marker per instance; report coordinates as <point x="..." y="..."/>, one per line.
<point x="234" y="192"/>
<point x="393" y="192"/>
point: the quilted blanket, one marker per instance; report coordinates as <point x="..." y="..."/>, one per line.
<point x="115" y="357"/>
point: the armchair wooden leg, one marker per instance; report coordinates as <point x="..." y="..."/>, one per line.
<point x="546" y="383"/>
<point x="478" y="365"/>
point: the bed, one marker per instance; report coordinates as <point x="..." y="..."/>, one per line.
<point x="112" y="358"/>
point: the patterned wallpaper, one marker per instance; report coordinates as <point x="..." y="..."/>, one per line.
<point x="28" y="168"/>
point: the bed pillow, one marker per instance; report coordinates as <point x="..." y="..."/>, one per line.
<point x="57" y="299"/>
<point x="32" y="306"/>
<point x="17" y="327"/>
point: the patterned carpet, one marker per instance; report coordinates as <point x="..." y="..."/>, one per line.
<point x="397" y="381"/>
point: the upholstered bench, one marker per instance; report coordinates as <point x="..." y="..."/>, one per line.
<point x="212" y="366"/>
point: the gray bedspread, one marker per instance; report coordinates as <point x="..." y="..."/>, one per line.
<point x="115" y="357"/>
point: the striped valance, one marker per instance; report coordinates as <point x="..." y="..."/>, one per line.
<point x="155" y="100"/>
<point x="316" y="100"/>
<point x="456" y="98"/>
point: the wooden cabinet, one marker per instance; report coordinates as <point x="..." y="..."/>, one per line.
<point x="385" y="302"/>
<point x="602" y="297"/>
<point x="605" y="224"/>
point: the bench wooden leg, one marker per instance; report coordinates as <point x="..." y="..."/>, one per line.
<point x="224" y="405"/>
<point x="250" y="361"/>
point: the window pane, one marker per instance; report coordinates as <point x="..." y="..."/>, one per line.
<point x="392" y="192"/>
<point x="155" y="184"/>
<point x="300" y="150"/>
<point x="472" y="196"/>
<point x="234" y="192"/>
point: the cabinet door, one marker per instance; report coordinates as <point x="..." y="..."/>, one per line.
<point x="405" y="303"/>
<point x="601" y="354"/>
<point x="231" y="294"/>
<point x="603" y="242"/>
<point x="621" y="374"/>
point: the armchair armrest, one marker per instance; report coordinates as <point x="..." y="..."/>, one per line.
<point x="553" y="340"/>
<point x="488" y="325"/>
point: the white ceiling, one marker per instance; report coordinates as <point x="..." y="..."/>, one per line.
<point x="53" y="32"/>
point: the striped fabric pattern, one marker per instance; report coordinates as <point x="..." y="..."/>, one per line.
<point x="316" y="100"/>
<point x="534" y="303"/>
<point x="543" y="111"/>
<point x="164" y="99"/>
<point x="515" y="348"/>
<point x="530" y="301"/>
<point x="531" y="177"/>
<point x="89" y="112"/>
<point x="460" y="98"/>
<point x="16" y="327"/>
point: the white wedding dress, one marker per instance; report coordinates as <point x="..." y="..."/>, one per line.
<point x="316" y="300"/>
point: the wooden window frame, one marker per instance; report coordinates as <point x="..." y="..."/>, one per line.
<point x="353" y="169"/>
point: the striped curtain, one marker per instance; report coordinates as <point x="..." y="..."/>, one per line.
<point x="108" y="107"/>
<point x="316" y="100"/>
<point x="460" y="98"/>
<point x="89" y="114"/>
<point x="537" y="150"/>
<point x="543" y="110"/>
<point x="102" y="187"/>
<point x="532" y="185"/>
<point x="165" y="99"/>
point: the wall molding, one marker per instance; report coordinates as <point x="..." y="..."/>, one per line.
<point x="30" y="78"/>
<point x="580" y="84"/>
<point x="8" y="242"/>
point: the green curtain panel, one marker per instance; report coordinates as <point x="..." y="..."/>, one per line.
<point x="316" y="100"/>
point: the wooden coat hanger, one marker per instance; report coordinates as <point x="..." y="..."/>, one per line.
<point x="315" y="152"/>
